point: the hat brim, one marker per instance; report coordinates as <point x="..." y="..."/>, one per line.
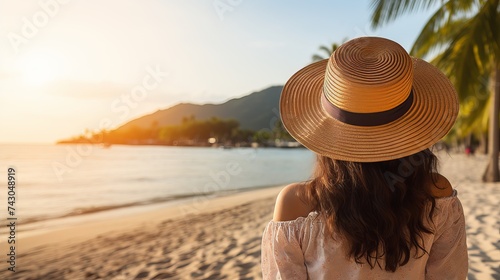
<point x="431" y="116"/>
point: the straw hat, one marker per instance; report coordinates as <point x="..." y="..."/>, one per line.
<point x="370" y="101"/>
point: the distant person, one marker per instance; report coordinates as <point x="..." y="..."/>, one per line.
<point x="469" y="150"/>
<point x="376" y="207"/>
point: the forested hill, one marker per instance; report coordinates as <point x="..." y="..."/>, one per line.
<point x="255" y="111"/>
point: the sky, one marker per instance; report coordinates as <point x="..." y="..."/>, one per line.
<point x="67" y="66"/>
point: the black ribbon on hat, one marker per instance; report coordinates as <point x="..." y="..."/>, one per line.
<point x="367" y="119"/>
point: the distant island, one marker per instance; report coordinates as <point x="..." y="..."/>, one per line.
<point x="252" y="120"/>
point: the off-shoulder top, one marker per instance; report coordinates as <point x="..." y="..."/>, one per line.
<point x="299" y="249"/>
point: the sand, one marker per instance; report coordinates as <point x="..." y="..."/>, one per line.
<point x="481" y="203"/>
<point x="219" y="238"/>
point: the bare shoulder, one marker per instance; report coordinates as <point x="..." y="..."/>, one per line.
<point x="440" y="186"/>
<point x="291" y="203"/>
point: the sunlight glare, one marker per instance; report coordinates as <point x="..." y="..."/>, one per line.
<point x="39" y="68"/>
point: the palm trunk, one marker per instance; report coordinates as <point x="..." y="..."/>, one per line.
<point x="483" y="143"/>
<point x="492" y="173"/>
<point x="468" y="140"/>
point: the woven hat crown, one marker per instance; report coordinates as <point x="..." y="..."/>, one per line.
<point x="369" y="102"/>
<point x="368" y="75"/>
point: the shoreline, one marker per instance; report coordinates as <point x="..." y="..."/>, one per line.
<point x="31" y="226"/>
<point x="95" y="224"/>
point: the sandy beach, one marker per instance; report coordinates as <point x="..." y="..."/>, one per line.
<point x="219" y="238"/>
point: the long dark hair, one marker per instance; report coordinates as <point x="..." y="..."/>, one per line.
<point x="379" y="208"/>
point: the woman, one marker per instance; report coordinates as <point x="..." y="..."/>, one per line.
<point x="376" y="207"/>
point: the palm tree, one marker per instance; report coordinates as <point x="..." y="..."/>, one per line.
<point x="466" y="34"/>
<point x="327" y="52"/>
<point x="474" y="114"/>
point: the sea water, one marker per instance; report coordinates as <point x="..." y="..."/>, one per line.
<point x="54" y="181"/>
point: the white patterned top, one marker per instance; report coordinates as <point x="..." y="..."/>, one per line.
<point x="299" y="249"/>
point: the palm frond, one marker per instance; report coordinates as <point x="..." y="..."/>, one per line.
<point x="325" y="50"/>
<point x="474" y="115"/>
<point x="317" y="58"/>
<point x="384" y="11"/>
<point x="469" y="54"/>
<point x="437" y="33"/>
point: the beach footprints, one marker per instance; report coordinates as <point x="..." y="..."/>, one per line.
<point x="226" y="249"/>
<point x="217" y="245"/>
<point x="482" y="232"/>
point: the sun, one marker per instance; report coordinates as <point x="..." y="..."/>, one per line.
<point x="41" y="67"/>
